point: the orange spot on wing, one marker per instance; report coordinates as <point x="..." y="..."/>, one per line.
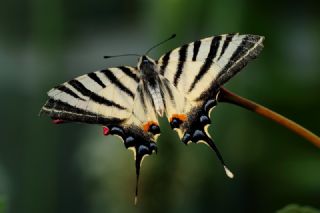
<point x="147" y="125"/>
<point x="181" y="117"/>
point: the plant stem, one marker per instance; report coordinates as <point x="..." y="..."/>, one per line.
<point x="229" y="97"/>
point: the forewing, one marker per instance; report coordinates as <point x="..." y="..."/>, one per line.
<point x="102" y="97"/>
<point x="199" y="68"/>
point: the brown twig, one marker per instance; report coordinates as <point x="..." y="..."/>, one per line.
<point x="229" y="97"/>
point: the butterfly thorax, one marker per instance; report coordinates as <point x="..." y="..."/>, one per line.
<point x="151" y="82"/>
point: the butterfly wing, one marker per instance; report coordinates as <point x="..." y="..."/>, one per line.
<point x="201" y="67"/>
<point x="99" y="97"/>
<point x="113" y="98"/>
<point x="194" y="73"/>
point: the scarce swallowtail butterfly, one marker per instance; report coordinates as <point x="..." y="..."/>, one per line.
<point x="182" y="84"/>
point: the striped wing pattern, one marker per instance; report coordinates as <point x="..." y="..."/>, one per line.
<point x="196" y="71"/>
<point x="111" y="97"/>
<point x="189" y="78"/>
<point x="101" y="97"/>
<point x="200" y="66"/>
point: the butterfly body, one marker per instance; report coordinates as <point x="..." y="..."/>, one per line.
<point x="182" y="84"/>
<point x="151" y="82"/>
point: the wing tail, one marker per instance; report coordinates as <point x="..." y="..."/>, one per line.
<point x="140" y="142"/>
<point x="195" y="129"/>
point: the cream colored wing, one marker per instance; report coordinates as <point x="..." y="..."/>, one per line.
<point x="194" y="74"/>
<point x="201" y="67"/>
<point x="113" y="98"/>
<point x="101" y="97"/>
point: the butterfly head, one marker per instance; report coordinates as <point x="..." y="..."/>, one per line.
<point x="146" y="65"/>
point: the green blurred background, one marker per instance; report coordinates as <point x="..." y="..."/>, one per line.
<point x="74" y="168"/>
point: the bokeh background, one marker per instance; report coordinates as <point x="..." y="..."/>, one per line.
<point x="74" y="168"/>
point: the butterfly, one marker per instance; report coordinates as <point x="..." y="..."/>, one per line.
<point x="182" y="85"/>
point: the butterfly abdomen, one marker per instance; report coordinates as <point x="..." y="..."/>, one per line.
<point x="157" y="99"/>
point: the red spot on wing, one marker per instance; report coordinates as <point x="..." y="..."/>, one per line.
<point x="57" y="121"/>
<point x="105" y="130"/>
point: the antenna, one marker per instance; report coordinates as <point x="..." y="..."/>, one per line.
<point x="133" y="54"/>
<point x="114" y="56"/>
<point x="171" y="37"/>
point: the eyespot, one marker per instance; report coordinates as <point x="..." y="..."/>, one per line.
<point x="152" y="127"/>
<point x="177" y="119"/>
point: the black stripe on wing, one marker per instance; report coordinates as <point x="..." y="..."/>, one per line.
<point x="68" y="91"/>
<point x="248" y="49"/>
<point x="96" y="79"/>
<point x="165" y="84"/>
<point x="225" y="45"/>
<point x="57" y="109"/>
<point x="114" y="80"/>
<point x="129" y="73"/>
<point x="196" y="47"/>
<point x="209" y="60"/>
<point x="141" y="98"/>
<point x="182" y="59"/>
<point x="165" y="61"/>
<point x="93" y="96"/>
<point x="61" y="106"/>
